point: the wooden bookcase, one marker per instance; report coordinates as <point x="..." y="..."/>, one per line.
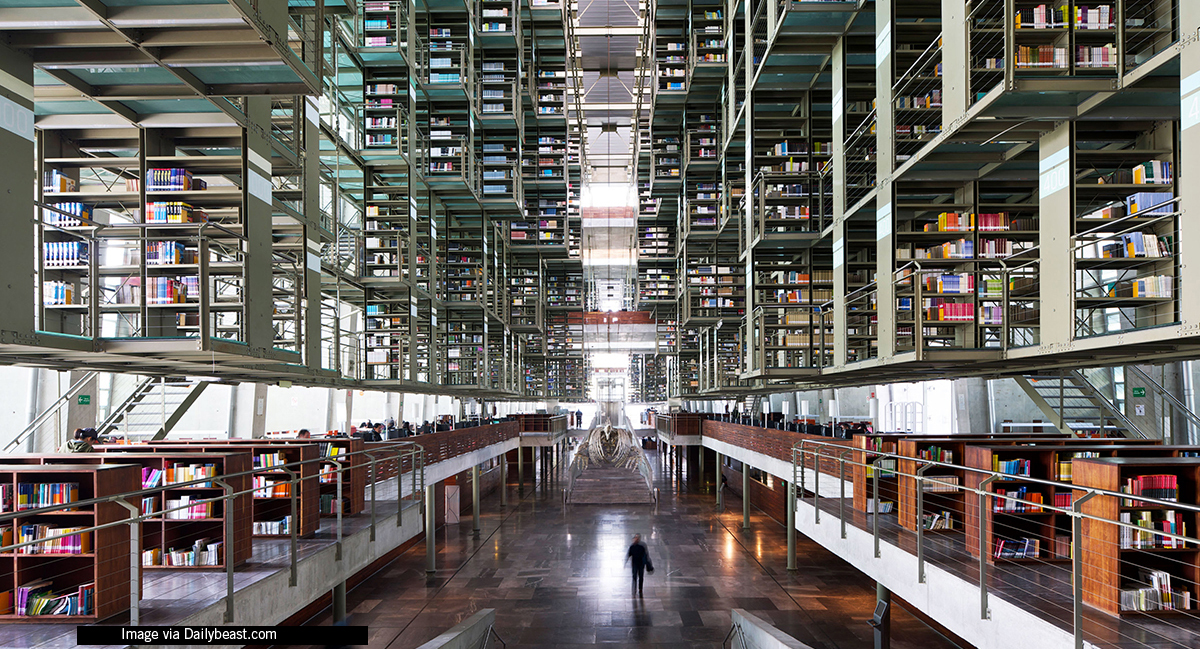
<point x="911" y="446"/>
<point x="107" y="566"/>
<point x="353" y="476"/>
<point x="861" y="473"/>
<point x="165" y="533"/>
<point x="1050" y="528"/>
<point x="1108" y="568"/>
<point x="899" y="488"/>
<point x="263" y="509"/>
<point x="934" y="501"/>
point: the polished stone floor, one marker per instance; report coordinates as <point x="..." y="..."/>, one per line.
<point x="556" y="577"/>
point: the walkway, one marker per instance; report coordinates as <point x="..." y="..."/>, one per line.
<point x="556" y="579"/>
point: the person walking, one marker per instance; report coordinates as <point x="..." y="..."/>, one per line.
<point x="639" y="558"/>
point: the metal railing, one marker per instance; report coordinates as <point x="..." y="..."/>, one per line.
<point x="814" y="458"/>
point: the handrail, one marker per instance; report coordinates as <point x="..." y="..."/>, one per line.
<point x="50" y="410"/>
<point x="800" y="448"/>
<point x="1108" y="406"/>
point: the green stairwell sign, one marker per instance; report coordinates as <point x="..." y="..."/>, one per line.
<point x="1139" y="392"/>
<point x="84" y="400"/>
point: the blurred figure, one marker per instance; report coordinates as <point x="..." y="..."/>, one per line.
<point x="579" y="419"/>
<point x="639" y="559"/>
<point x="303" y="434"/>
<point x="82" y="441"/>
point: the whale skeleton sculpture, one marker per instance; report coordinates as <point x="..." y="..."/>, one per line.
<point x="606" y="446"/>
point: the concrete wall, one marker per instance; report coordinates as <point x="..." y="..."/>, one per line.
<point x="1010" y="403"/>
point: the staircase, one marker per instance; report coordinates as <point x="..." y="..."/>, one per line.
<point x="153" y="408"/>
<point x="1076" y="406"/>
<point x="750" y="405"/>
<point x="610" y="486"/>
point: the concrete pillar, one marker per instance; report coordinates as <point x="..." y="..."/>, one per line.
<point x="504" y="481"/>
<point x="475" y="500"/>
<point x="791" y="526"/>
<point x="258" y="420"/>
<point x="745" y="497"/>
<point x="1189" y="162"/>
<point x="1056" y="196"/>
<point x="720" y="481"/>
<point x="18" y="181"/>
<point x="430" y="518"/>
<point x="312" y="351"/>
<point x="956" y="84"/>
<point x="82" y="415"/>
<point x="256" y="223"/>
<point x="840" y="338"/>
<point x="971" y="408"/>
<point x="339" y="602"/>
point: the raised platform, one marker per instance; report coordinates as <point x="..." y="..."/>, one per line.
<point x="609" y="486"/>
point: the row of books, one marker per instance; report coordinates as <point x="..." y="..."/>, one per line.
<point x="61" y="254"/>
<point x="1041" y="56"/>
<point x="56" y="292"/>
<point x="1096" y="56"/>
<point x="932" y="99"/>
<point x="54" y="181"/>
<point x="1009" y="501"/>
<point x="936" y="454"/>
<point x="940" y="484"/>
<point x="960" y="283"/>
<point x="38" y="598"/>
<point x="331" y="505"/>
<point x="1012" y="467"/>
<point x="1065" y="473"/>
<point x="966" y="222"/>
<point x="77" y="540"/>
<point x="1024" y="548"/>
<point x="185" y="508"/>
<point x="189" y="472"/>
<point x="269" y="460"/>
<point x="172" y="180"/>
<point x="938" y="309"/>
<point x="1159" y="486"/>
<point x="941" y="521"/>
<point x="80" y="211"/>
<point x="1168" y="521"/>
<point x="1132" y="245"/>
<point x="173" y="212"/>
<point x="273" y="528"/>
<point x="798" y="297"/>
<point x="1159" y="286"/>
<point x="1042" y="17"/>
<point x="1159" y="595"/>
<point x="202" y="553"/>
<point x="167" y="253"/>
<point x="32" y="495"/>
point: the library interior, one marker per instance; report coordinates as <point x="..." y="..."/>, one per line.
<point x="552" y="293"/>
